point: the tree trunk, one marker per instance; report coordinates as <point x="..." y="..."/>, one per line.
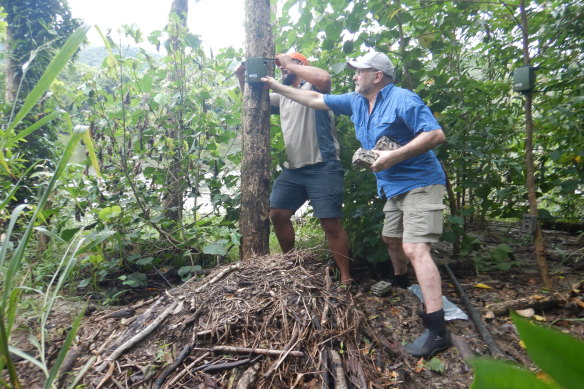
<point x="175" y="176"/>
<point x="11" y="78"/>
<point x="529" y="162"/>
<point x="255" y="168"/>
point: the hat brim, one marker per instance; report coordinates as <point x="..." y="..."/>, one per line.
<point x="357" y="65"/>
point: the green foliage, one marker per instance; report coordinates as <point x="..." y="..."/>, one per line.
<point x="459" y="56"/>
<point x="558" y="355"/>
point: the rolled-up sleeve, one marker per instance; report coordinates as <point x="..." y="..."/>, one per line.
<point x="340" y="104"/>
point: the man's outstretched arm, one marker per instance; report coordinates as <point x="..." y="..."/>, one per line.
<point x="309" y="98"/>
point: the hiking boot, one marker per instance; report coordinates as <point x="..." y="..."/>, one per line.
<point x="435" y="337"/>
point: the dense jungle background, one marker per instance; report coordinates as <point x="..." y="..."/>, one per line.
<point x="120" y="170"/>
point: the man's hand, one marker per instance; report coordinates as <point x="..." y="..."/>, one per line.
<point x="385" y="160"/>
<point x="283" y="60"/>
<point x="271" y="83"/>
<point x="240" y="71"/>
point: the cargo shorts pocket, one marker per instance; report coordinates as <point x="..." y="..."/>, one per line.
<point x="425" y="220"/>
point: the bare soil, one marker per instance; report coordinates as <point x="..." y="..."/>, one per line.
<point x="304" y="331"/>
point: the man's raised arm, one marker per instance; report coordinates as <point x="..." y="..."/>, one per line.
<point x="309" y="98"/>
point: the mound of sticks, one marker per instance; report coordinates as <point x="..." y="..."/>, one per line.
<point x="276" y="321"/>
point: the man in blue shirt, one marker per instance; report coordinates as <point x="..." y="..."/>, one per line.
<point x="411" y="178"/>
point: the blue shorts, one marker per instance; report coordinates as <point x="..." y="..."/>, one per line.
<point x="321" y="183"/>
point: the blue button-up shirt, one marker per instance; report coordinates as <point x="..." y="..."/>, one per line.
<point x="401" y="115"/>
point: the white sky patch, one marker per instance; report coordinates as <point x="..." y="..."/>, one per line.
<point x="219" y="23"/>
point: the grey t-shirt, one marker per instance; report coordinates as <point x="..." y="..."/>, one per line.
<point x="310" y="135"/>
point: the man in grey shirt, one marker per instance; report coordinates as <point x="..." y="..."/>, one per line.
<point x="313" y="169"/>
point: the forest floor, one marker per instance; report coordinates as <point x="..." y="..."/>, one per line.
<point x="281" y="321"/>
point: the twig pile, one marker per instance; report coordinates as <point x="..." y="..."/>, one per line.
<point x="271" y="322"/>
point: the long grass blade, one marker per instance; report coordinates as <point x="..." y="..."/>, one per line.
<point x="13" y="218"/>
<point x="18" y="254"/>
<point x="64" y="349"/>
<point x="52" y="71"/>
<point x="29" y="130"/>
<point x="88" y="141"/>
<point x="13" y="190"/>
<point x="31" y="359"/>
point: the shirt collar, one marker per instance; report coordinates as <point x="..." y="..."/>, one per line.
<point x="386" y="90"/>
<point x="383" y="93"/>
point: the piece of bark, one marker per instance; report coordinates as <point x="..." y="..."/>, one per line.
<point x="172" y="367"/>
<point x="323" y="367"/>
<point x="249" y="377"/>
<point x="462" y="346"/>
<point x="338" y="371"/>
<point x="69" y="362"/>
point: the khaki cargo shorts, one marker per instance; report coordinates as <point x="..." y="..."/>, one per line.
<point x="415" y="216"/>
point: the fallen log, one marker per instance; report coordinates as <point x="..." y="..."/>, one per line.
<point x="536" y="302"/>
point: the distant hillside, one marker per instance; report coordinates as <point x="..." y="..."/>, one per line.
<point x="94" y="55"/>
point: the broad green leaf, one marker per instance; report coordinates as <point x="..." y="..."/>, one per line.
<point x="493" y="374"/>
<point x="109" y="212"/>
<point x="435" y="364"/>
<point x="145" y="261"/>
<point x="215" y="249"/>
<point x="557" y="354"/>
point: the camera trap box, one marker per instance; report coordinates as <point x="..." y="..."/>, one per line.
<point x="255" y="69"/>
<point x="524" y="79"/>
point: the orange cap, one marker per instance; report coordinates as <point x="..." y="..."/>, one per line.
<point x="296" y="56"/>
<point x="300" y="58"/>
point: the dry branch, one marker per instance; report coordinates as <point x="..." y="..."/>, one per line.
<point x="170" y="368"/>
<point x="262" y="351"/>
<point x="219" y="276"/>
<point x="138" y="337"/>
<point x="285" y="351"/>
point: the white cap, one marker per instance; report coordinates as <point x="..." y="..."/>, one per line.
<point x="375" y="60"/>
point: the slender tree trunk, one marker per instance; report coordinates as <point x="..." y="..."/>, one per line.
<point x="11" y="79"/>
<point x="255" y="168"/>
<point x="175" y="177"/>
<point x="529" y="160"/>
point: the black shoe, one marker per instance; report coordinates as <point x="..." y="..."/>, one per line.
<point x="429" y="344"/>
<point x="435" y="337"/>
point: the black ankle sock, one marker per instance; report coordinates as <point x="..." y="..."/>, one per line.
<point x="401" y="281"/>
